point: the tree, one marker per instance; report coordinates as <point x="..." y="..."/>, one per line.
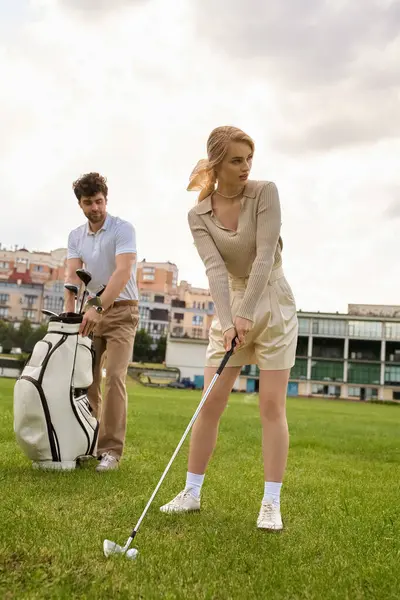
<point x="158" y="354"/>
<point x="36" y="335"/>
<point x="22" y="334"/>
<point x="142" y="348"/>
<point x="3" y="331"/>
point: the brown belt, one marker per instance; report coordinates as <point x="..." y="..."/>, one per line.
<point x="124" y="303"/>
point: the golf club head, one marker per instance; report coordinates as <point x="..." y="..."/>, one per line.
<point x="84" y="276"/>
<point x="110" y="548"/>
<point x="72" y="288"/>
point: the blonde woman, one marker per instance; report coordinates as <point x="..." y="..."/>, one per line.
<point x="236" y="229"/>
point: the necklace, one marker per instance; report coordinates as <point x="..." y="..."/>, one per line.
<point x="230" y="197"/>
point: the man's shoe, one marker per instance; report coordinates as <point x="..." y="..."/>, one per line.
<point x="108" y="462"/>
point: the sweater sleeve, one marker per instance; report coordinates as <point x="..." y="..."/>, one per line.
<point x="267" y="236"/>
<point x="215" y="269"/>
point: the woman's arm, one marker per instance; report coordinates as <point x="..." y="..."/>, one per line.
<point x="215" y="269"/>
<point x="267" y="236"/>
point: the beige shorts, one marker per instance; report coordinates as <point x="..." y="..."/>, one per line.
<point x="272" y="341"/>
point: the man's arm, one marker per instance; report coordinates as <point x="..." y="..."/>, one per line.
<point x="119" y="278"/>
<point x="125" y="257"/>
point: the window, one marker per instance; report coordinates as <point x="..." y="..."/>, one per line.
<point x="364" y="374"/>
<point x="327" y="371"/>
<point x="144" y="312"/>
<point x="365" y="329"/>
<point x="251" y="371"/>
<point x="177" y="332"/>
<point x="329" y="327"/>
<point x="354" y="392"/>
<point x="159" y="299"/>
<point x="197" y="320"/>
<point x="326" y="390"/>
<point x="392" y="375"/>
<point x="3" y="312"/>
<point x="29" y="299"/>
<point x="211" y="306"/>
<point x="54" y="303"/>
<point x="302" y="346"/>
<point x="148" y="277"/>
<point x="38" y="268"/>
<point x="365" y="350"/>
<point x="178" y="316"/>
<point x="299" y="369"/>
<point x="145" y="297"/>
<point x="317" y="388"/>
<point x="392" y="331"/>
<point x="149" y="270"/>
<point x="4" y="265"/>
<point x="304" y="325"/>
<point x="328" y="348"/>
<point x="29" y="314"/>
<point x="197" y="333"/>
<point x="4" y="298"/>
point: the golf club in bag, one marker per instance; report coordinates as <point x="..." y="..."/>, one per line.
<point x="109" y="547"/>
<point x="53" y="421"/>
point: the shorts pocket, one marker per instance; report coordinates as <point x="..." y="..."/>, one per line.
<point x="286" y="290"/>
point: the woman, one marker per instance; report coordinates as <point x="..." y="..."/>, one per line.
<point x="236" y="229"/>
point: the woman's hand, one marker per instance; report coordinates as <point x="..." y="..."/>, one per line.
<point x="242" y="327"/>
<point x="229" y="336"/>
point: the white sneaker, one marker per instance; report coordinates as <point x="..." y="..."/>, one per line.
<point x="269" y="517"/>
<point x="183" y="502"/>
<point x="107" y="463"/>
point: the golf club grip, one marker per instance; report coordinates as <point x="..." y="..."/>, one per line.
<point x="226" y="357"/>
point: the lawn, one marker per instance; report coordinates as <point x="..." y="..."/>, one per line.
<point x="340" y="504"/>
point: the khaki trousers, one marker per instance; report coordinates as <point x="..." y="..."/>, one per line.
<point x="113" y="341"/>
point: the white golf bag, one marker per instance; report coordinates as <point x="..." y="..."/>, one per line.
<point x="53" y="422"/>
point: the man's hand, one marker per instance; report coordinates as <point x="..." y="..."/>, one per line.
<point x="90" y="320"/>
<point x="242" y="327"/>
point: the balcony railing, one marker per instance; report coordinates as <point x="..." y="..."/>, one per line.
<point x="192" y="333"/>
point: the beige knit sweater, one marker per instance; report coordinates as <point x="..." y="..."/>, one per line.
<point x="252" y="251"/>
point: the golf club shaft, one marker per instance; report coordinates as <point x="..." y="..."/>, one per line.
<point x="193" y="419"/>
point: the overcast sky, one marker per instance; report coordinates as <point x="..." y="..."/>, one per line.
<point x="132" y="88"/>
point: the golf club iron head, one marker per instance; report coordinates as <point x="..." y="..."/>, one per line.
<point x="111" y="548"/>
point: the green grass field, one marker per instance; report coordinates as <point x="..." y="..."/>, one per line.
<point x="340" y="505"/>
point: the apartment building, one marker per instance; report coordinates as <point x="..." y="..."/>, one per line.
<point x="29" y="282"/>
<point x="166" y="306"/>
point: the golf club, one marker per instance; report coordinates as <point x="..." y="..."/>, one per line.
<point x="74" y="289"/>
<point x="109" y="547"/>
<point x="86" y="278"/>
<point x="49" y="313"/>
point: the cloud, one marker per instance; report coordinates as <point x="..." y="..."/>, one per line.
<point x="334" y="65"/>
<point x="135" y="95"/>
<point x="98" y="6"/>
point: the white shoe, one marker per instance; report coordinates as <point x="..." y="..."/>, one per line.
<point x="108" y="463"/>
<point x="183" y="502"/>
<point x="269" y="517"/>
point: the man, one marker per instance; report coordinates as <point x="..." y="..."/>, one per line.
<point x="106" y="246"/>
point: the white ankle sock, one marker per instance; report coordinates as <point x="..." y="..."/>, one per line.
<point x="272" y="491"/>
<point x="194" y="483"/>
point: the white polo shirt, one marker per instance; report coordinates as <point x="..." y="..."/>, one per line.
<point x="98" y="251"/>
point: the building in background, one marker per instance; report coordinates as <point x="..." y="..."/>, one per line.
<point x="168" y="307"/>
<point x="354" y="355"/>
<point x="29" y="282"/>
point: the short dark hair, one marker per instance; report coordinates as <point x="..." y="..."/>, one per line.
<point x="90" y="184"/>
